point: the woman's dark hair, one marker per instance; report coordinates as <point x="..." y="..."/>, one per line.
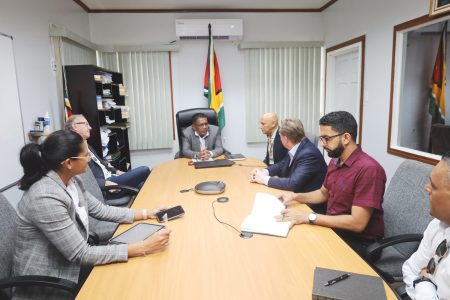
<point x="37" y="160"/>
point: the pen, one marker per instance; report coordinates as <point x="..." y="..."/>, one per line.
<point x="337" y="279"/>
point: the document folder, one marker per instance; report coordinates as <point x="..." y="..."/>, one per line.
<point x="355" y="287"/>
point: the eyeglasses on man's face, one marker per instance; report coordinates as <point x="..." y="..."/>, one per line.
<point x="86" y="123"/>
<point x="87" y="157"/>
<point x="441" y="251"/>
<point x="325" y="139"/>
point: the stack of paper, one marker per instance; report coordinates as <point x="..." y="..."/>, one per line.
<point x="125" y="111"/>
<point x="262" y="218"/>
<point x="106" y="78"/>
<point x="122" y="90"/>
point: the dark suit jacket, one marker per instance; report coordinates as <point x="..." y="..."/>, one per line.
<point x="279" y="152"/>
<point x="97" y="171"/>
<point x="306" y="172"/>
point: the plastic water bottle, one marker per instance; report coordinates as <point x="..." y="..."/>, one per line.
<point x="47" y="123"/>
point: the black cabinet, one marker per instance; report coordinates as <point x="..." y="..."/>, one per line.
<point x="90" y="90"/>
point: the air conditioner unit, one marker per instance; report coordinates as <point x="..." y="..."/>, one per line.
<point x="193" y="29"/>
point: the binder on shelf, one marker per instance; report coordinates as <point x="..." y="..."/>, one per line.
<point x="355" y="287"/>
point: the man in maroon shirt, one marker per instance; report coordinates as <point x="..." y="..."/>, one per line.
<point x="353" y="187"/>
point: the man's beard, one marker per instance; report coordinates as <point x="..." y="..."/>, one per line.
<point x="335" y="153"/>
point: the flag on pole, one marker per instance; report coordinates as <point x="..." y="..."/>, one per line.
<point x="212" y="85"/>
<point x="67" y="107"/>
<point x="437" y="91"/>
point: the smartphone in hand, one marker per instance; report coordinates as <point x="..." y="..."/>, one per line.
<point x="169" y="214"/>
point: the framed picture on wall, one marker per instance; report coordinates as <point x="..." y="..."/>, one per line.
<point x="439" y="7"/>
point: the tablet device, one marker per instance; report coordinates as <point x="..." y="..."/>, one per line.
<point x="137" y="233"/>
<point x="236" y="156"/>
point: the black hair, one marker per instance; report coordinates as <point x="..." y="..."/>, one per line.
<point x="197" y="116"/>
<point x="341" y="122"/>
<point x="37" y="160"/>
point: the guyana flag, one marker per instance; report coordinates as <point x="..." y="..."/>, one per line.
<point x="438" y="81"/>
<point x="212" y="85"/>
<point x="67" y="107"/>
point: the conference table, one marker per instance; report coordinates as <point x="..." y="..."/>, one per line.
<point x="209" y="260"/>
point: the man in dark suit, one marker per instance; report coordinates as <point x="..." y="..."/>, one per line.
<point x="275" y="150"/>
<point x="302" y="169"/>
<point x="104" y="173"/>
<point x="201" y="140"/>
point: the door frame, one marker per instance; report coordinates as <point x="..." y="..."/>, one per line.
<point x="332" y="53"/>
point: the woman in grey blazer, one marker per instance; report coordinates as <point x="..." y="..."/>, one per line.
<point x="52" y="217"/>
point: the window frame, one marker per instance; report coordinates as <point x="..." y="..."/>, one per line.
<point x="397" y="68"/>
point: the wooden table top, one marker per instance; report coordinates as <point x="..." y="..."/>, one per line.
<point x="208" y="260"/>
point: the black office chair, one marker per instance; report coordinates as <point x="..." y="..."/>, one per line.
<point x="184" y="119"/>
<point x="102" y="231"/>
<point x="406" y="215"/>
<point x="7" y="244"/>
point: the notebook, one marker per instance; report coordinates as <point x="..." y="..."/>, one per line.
<point x="213" y="164"/>
<point x="261" y="219"/>
<point x="355" y="287"/>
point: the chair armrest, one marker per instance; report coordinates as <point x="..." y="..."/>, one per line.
<point x="124" y="188"/>
<point x="37" y="280"/>
<point x="373" y="252"/>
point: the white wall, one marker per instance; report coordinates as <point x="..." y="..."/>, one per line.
<point x="28" y="22"/>
<point x="347" y="19"/>
<point x="188" y="64"/>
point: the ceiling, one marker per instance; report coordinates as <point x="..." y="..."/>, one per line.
<point x="127" y="6"/>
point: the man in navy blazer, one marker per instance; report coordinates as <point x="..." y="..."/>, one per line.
<point x="275" y="151"/>
<point x="302" y="169"/>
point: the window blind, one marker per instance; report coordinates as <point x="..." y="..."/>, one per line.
<point x="146" y="76"/>
<point x="285" y="80"/>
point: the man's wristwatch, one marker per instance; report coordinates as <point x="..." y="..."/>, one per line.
<point x="312" y="217"/>
<point x="422" y="279"/>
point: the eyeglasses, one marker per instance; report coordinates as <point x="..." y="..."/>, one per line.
<point x="325" y="139"/>
<point x="88" y="157"/>
<point x="441" y="251"/>
<point x="84" y="123"/>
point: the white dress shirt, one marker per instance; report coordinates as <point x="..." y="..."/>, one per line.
<point x="203" y="142"/>
<point x="291" y="154"/>
<point x="435" y="233"/>
<point x="270" y="145"/>
<point x="80" y="210"/>
<point x="106" y="173"/>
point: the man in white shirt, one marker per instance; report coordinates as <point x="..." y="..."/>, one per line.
<point x="427" y="272"/>
<point x="104" y="173"/>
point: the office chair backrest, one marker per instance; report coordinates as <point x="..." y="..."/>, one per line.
<point x="406" y="203"/>
<point x="184" y="119"/>
<point x="7" y="239"/>
<point x="313" y="138"/>
<point x="91" y="185"/>
<point x="103" y="229"/>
